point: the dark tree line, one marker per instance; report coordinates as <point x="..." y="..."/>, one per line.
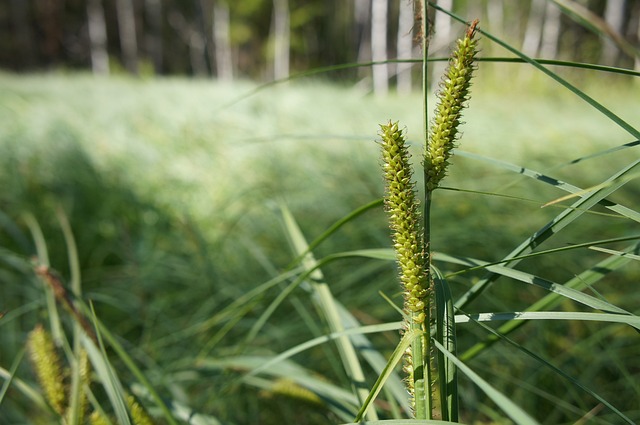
<point x="266" y="39"/>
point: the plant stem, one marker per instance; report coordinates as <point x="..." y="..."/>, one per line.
<point x="421" y="351"/>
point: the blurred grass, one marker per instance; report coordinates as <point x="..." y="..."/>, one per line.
<point x="173" y="196"/>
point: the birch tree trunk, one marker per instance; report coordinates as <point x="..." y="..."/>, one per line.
<point x="614" y="16"/>
<point x="281" y="39"/>
<point x="362" y="16"/>
<point x="550" y="32"/>
<point x="533" y="33"/>
<point x="379" y="46"/>
<point x="127" y="32"/>
<point x="222" y="41"/>
<point x="404" y="46"/>
<point x="441" y="41"/>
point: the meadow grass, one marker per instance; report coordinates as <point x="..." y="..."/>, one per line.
<point x="176" y="197"/>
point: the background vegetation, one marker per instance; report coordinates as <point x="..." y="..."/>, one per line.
<point x="175" y="191"/>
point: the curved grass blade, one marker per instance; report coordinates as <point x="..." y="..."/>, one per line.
<point x="362" y="330"/>
<point x="323" y="298"/>
<point x="585" y="279"/>
<point x="395" y="358"/>
<point x="633" y="321"/>
<point x="567" y="187"/>
<point x="76" y="393"/>
<point x="595" y="23"/>
<point x="405" y="422"/>
<point x="516" y="413"/>
<point x="108" y="377"/>
<point x="497" y="335"/>
<point x="614" y="252"/>
<point x="366" y="349"/>
<point x="343" y="403"/>
<point x="337" y="225"/>
<point x="594" y="103"/>
<point x="537" y="281"/>
<point x="31" y="393"/>
<point x="446" y="335"/>
<point x="550" y="229"/>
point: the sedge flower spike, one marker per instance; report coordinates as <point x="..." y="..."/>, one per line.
<point x="404" y="220"/>
<point x="452" y="97"/>
<point x="47" y="367"/>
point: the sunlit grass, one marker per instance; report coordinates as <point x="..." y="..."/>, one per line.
<point x="174" y="197"/>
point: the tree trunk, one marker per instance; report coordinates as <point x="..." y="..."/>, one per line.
<point x="362" y="11"/>
<point x="281" y="41"/>
<point x="533" y="33"/>
<point x="153" y="37"/>
<point x="193" y="39"/>
<point x="379" y="46"/>
<point x="222" y="40"/>
<point x="204" y="17"/>
<point x="404" y="46"/>
<point x="441" y="41"/>
<point x="550" y="32"/>
<point x="614" y="16"/>
<point x="127" y="32"/>
<point x="97" y="37"/>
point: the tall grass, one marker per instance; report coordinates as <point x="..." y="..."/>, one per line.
<point x="234" y="261"/>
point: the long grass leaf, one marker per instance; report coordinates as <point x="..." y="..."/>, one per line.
<point x="587" y="278"/>
<point x="597" y="24"/>
<point x="496" y="334"/>
<point x="76" y="392"/>
<point x="322" y="297"/>
<point x="18" y="384"/>
<point x="567" y="187"/>
<point x="110" y="381"/>
<point x="516" y="413"/>
<point x="396" y="357"/>
<point x="552" y="315"/>
<point x="550" y="229"/>
<point x="537" y="281"/>
<point x="385" y="327"/>
<point x="43" y="258"/>
<point x="126" y="360"/>
<point x="446" y="335"/>
<point x="594" y="103"/>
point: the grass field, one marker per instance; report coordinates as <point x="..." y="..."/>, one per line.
<point x="174" y="190"/>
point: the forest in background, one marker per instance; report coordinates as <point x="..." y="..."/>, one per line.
<point x="270" y="39"/>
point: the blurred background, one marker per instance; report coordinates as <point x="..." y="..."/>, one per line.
<point x="269" y="39"/>
<point x="153" y="129"/>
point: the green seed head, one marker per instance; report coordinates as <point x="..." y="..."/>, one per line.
<point x="46" y="363"/>
<point x="404" y="220"/>
<point x="452" y="97"/>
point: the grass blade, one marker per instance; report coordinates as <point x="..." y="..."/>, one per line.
<point x="539" y="282"/>
<point x="598" y="106"/>
<point x="585" y="279"/>
<point x="322" y="297"/>
<point x="446" y="335"/>
<point x="518" y="415"/>
<point x="550" y="229"/>
<point x="498" y="335"/>
<point x="395" y="358"/>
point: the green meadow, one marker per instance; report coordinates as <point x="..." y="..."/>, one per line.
<point x="178" y="208"/>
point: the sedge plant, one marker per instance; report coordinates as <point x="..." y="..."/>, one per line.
<point x="411" y="235"/>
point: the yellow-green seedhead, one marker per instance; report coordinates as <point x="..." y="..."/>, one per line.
<point x="452" y="97"/>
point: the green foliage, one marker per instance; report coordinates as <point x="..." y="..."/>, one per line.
<point x="191" y="220"/>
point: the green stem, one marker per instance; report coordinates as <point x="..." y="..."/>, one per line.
<point x="421" y="350"/>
